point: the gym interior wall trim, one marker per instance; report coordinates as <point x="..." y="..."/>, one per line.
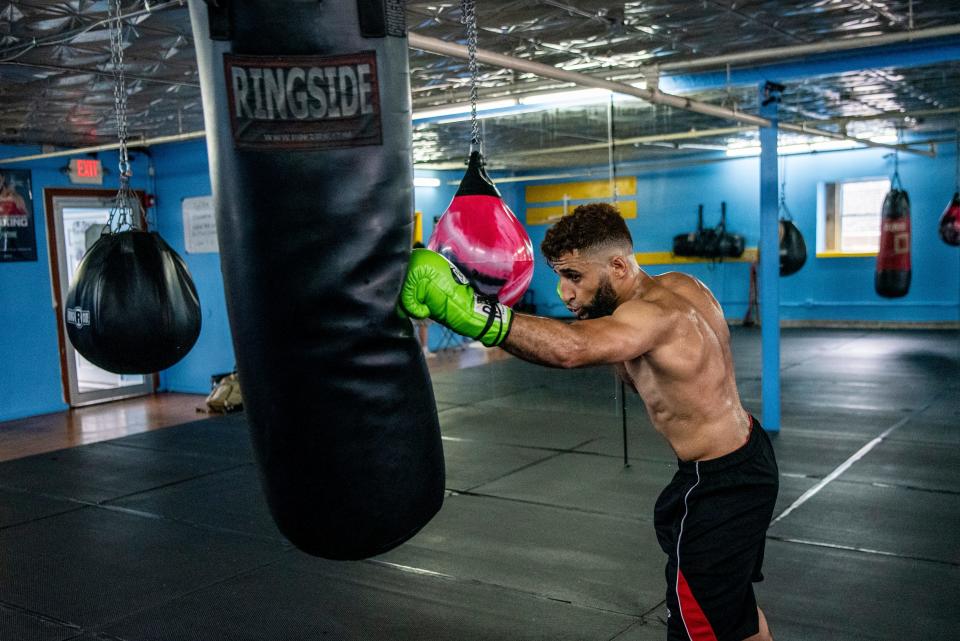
<point x="826" y="288"/>
<point x="550" y="215"/>
<point x="750" y="254"/>
<point x="582" y="190"/>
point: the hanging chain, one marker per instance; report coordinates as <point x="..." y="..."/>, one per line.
<point x="126" y="211"/>
<point x="783" y="188"/>
<point x="469" y="18"/>
<point x="895" y="182"/>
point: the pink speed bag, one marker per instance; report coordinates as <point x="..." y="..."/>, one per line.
<point x="480" y="235"/>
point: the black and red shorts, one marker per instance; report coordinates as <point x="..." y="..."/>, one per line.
<point x="712" y="520"/>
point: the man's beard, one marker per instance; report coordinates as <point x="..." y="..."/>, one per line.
<point x="604" y="301"/>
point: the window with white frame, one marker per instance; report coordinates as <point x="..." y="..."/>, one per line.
<point x="851" y="223"/>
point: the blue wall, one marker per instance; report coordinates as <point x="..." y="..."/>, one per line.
<point x="182" y="173"/>
<point x="826" y="288"/>
<point x="31" y="382"/>
<point x="30" y="375"/>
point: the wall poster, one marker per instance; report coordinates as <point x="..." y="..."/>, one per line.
<point x="18" y="236"/>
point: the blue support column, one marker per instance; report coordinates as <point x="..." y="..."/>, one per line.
<point x="769" y="274"/>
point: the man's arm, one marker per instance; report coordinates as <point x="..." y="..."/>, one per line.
<point x="434" y="287"/>
<point x="633" y="330"/>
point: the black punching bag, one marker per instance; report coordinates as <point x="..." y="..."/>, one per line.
<point x="793" y="249"/>
<point x="892" y="278"/>
<point x="307" y="110"/>
<point x="132" y="307"/>
<point x="950" y="222"/>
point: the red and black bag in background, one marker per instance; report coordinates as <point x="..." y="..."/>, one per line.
<point x="892" y="279"/>
<point x="950" y="222"/>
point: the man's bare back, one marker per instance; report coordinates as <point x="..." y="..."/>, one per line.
<point x="687" y="381"/>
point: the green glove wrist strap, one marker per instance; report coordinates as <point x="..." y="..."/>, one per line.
<point x="494" y="311"/>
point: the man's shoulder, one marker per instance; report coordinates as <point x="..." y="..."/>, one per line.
<point x="684" y="285"/>
<point x="672" y="279"/>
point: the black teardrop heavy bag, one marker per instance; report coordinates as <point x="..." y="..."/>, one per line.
<point x="132" y="307"/>
<point x="950" y="222"/>
<point x="892" y="278"/>
<point x="793" y="249"/>
<point x="307" y="110"/>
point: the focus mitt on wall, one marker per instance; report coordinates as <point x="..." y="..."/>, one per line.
<point x="132" y="307"/>
<point x="307" y="111"/>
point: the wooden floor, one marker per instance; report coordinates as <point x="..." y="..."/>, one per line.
<point x="50" y="432"/>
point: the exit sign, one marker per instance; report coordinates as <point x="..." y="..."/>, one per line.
<point x="85" y="171"/>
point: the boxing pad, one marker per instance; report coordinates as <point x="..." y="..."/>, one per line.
<point x="132" y="307"/>
<point x="950" y="222"/>
<point x="793" y="250"/>
<point x="892" y="278"/>
<point x="481" y="236"/>
<point x="307" y="111"/>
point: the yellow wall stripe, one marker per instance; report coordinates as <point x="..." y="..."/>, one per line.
<point x="750" y="254"/>
<point x="550" y="215"/>
<point x="837" y="254"/>
<point x="586" y="190"/>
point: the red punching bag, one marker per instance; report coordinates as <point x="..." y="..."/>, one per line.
<point x="893" y="260"/>
<point x="950" y="222"/>
<point x="480" y="235"/>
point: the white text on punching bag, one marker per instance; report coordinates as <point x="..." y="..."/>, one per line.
<point x="900" y="231"/>
<point x="297" y="93"/>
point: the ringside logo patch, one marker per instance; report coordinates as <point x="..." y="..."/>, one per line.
<point x="303" y="102"/>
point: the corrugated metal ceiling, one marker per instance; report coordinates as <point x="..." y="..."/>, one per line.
<point x="56" y="85"/>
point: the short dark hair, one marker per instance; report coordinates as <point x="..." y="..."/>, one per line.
<point x="589" y="226"/>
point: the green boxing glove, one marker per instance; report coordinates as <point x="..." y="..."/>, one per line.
<point x="435" y="288"/>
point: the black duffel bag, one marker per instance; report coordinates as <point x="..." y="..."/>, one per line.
<point x="709" y="243"/>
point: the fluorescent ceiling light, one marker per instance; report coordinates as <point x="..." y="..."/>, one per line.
<point x="524" y="104"/>
<point x="742" y="152"/>
<point x="462" y="109"/>
<point x="566" y="98"/>
<point x="833" y="145"/>
<point x="797" y="148"/>
<point x="421" y="181"/>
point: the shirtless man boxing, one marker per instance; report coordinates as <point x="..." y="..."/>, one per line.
<point x="667" y="337"/>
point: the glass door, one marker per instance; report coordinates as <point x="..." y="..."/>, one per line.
<point x="78" y="221"/>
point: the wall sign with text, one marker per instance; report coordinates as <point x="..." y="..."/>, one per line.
<point x="199" y="225"/>
<point x="18" y="236"/>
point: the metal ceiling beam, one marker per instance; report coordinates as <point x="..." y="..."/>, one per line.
<point x="604" y="171"/>
<point x="859" y="51"/>
<point x="442" y="47"/>
<point x="826" y="63"/>
<point x="133" y="144"/>
<point x="98" y="72"/>
<point x="886" y="115"/>
<point x="797" y="51"/>
<point x="638" y="140"/>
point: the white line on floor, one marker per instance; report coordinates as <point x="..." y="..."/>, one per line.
<point x="843" y="467"/>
